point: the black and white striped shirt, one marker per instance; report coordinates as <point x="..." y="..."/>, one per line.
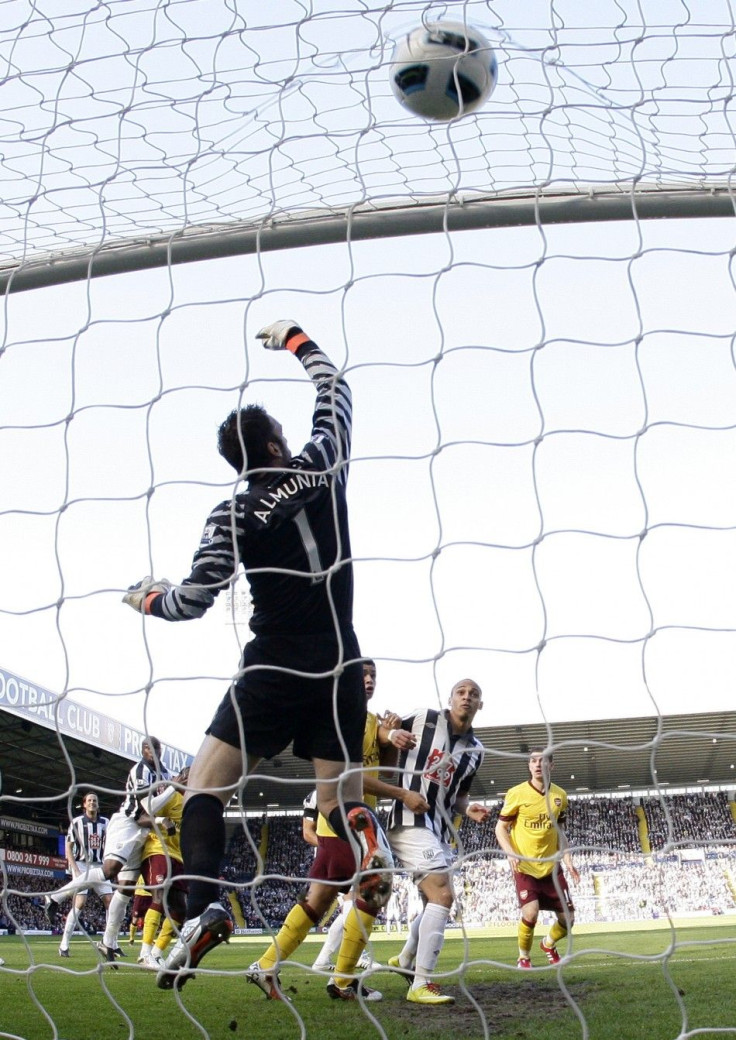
<point x="440" y="767"/>
<point x="289" y="529"/>
<point x="86" y="839"/>
<point x="141" y="781"/>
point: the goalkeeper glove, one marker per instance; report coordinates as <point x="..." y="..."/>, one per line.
<point x="282" y="335"/>
<point x="137" y="594"/>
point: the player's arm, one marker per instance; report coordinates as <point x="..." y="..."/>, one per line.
<point x="213" y="567"/>
<point x="69" y="853"/>
<point x="395" y="735"/>
<point x="503" y="837"/>
<point x="333" y="411"/>
<point x="475" y="812"/>
<point x="392" y="734"/>
<point x="156" y="804"/>
<point x="566" y="855"/>
<point x="413" y="800"/>
<point x="309" y="830"/>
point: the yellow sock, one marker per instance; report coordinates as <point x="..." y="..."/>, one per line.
<point x="358" y="927"/>
<point x="526" y="935"/>
<point x="166" y="934"/>
<point x="293" y="932"/>
<point x="150" y="925"/>
<point x="132" y="931"/>
<point x="556" y="932"/>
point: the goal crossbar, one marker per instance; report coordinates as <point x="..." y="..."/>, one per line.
<point x="383" y="219"/>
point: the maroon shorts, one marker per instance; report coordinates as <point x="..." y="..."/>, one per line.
<point x="157" y="869"/>
<point x="140" y="906"/>
<point x="335" y="861"/>
<point x="551" y="892"/>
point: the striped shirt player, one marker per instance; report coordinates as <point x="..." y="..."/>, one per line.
<point x="440" y="767"/>
<point x="299" y="678"/>
<point x="124" y="840"/>
<point x="85" y="842"/>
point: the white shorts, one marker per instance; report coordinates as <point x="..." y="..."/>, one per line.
<point x="124" y="842"/>
<point x="100" y="888"/>
<point x="420" y="851"/>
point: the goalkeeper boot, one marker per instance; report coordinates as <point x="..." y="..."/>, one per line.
<point x="430" y="993"/>
<point x="196" y="939"/>
<point x="274" y="336"/>
<point x="550" y="952"/>
<point x="377" y="864"/>
<point x="267" y="982"/>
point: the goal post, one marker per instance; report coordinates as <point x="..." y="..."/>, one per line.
<point x="534" y="306"/>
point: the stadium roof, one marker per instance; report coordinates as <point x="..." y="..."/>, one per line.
<point x="610" y="755"/>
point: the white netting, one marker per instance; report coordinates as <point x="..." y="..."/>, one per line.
<point x="130" y="119"/>
<point x="541" y="483"/>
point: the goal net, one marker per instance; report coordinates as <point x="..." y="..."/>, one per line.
<point x="534" y="305"/>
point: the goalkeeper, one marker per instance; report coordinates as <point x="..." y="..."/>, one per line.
<point x="300" y="677"/>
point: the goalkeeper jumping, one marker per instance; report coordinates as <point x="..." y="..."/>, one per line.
<point x="300" y="677"/>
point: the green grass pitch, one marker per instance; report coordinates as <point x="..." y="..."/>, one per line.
<point x="673" y="983"/>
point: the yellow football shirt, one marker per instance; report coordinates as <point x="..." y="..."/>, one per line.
<point x="173" y="809"/>
<point x="533" y="816"/>
<point x="370" y="760"/>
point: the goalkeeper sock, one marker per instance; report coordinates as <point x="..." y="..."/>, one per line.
<point x="203" y="847"/>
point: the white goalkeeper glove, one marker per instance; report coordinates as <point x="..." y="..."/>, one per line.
<point x="275" y="336"/>
<point x="136" y="595"/>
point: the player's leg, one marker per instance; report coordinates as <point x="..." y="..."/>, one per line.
<point x="121" y="897"/>
<point x="325" y="959"/>
<point x="72" y="918"/>
<point x="214" y="775"/>
<point x="560" y="902"/>
<point x="406" y="959"/>
<point x="527" y="894"/>
<point x="428" y="861"/>
<point x="300" y="920"/>
<point x="154" y="873"/>
<point x="437" y="889"/>
<point x="359" y="923"/>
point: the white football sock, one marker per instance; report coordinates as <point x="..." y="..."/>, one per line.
<point x="431" y="938"/>
<point x="409" y="950"/>
<point x="114" y="922"/>
<point x="69" y="925"/>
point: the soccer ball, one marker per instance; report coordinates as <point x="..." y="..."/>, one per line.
<point x="443" y="70"/>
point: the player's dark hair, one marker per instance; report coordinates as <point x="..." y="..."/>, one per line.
<point x="256" y="431"/>
<point x="541" y="751"/>
<point x="368" y="661"/>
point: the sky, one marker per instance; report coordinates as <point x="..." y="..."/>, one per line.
<point x="541" y="487"/>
